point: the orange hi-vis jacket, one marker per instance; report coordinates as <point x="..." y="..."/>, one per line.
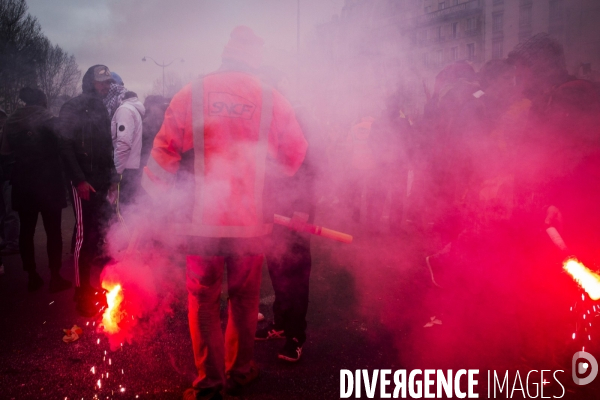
<point x="238" y="129"/>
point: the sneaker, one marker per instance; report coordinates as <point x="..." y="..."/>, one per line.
<point x="235" y="382"/>
<point x="291" y="351"/>
<point x="202" y="394"/>
<point x="35" y="282"/>
<point x="268" y="333"/>
<point x="58" y="284"/>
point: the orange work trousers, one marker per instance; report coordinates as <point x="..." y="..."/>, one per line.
<point x="215" y="355"/>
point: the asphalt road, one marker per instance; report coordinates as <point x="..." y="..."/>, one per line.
<point x="369" y="304"/>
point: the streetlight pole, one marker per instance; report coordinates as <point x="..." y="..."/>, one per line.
<point x="163" y="66"/>
<point x="298" y="28"/>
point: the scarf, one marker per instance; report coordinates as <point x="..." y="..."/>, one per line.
<point x="113" y="99"/>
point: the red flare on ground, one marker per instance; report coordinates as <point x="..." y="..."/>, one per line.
<point x="113" y="313"/>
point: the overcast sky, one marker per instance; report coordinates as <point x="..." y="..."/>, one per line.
<point x="119" y="33"/>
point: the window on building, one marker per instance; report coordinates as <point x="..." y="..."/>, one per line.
<point x="470" y="24"/>
<point x="438" y="32"/>
<point x="525" y="16"/>
<point x="556" y="10"/>
<point x="498" y="2"/>
<point x="454" y="53"/>
<point x="454" y="2"/>
<point x="497" y="49"/>
<point x="427" y="9"/>
<point x="441" y="5"/>
<point x="440" y="57"/>
<point x="426" y="59"/>
<point x="455" y="30"/>
<point x="497" y="22"/>
<point x="471" y="51"/>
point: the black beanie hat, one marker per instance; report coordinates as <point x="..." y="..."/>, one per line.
<point x="33" y="97"/>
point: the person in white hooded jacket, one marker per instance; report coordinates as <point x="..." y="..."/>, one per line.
<point x="126" y="128"/>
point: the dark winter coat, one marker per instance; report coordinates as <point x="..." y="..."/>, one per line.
<point x="37" y="179"/>
<point x="297" y="193"/>
<point x="87" y="149"/>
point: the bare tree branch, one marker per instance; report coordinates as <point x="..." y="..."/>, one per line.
<point x="27" y="58"/>
<point x="20" y="40"/>
<point x="57" y="73"/>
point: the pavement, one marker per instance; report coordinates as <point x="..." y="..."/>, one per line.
<point x="372" y="306"/>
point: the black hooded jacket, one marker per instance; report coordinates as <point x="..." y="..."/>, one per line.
<point x="36" y="177"/>
<point x="87" y="149"/>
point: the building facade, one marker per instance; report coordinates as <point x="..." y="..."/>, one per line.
<point x="378" y="45"/>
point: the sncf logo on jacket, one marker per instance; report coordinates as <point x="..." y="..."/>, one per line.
<point x="230" y="105"/>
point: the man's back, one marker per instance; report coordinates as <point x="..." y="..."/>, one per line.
<point x="243" y="126"/>
<point x="232" y="146"/>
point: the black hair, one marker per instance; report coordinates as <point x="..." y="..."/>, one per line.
<point x="33" y="97"/>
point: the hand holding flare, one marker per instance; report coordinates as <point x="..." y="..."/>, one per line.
<point x="587" y="279"/>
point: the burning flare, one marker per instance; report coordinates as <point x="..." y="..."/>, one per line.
<point x="588" y="280"/>
<point x="113" y="313"/>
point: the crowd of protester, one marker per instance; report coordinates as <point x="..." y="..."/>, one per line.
<point x="495" y="158"/>
<point x="491" y="148"/>
<point x="92" y="148"/>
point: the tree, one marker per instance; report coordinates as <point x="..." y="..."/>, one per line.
<point x="20" y="41"/>
<point x="57" y="73"/>
<point x="27" y="58"/>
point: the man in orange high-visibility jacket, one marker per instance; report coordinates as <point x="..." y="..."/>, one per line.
<point x="229" y="132"/>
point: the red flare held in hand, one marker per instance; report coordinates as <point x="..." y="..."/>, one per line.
<point x="585" y="278"/>
<point x="314" y="229"/>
